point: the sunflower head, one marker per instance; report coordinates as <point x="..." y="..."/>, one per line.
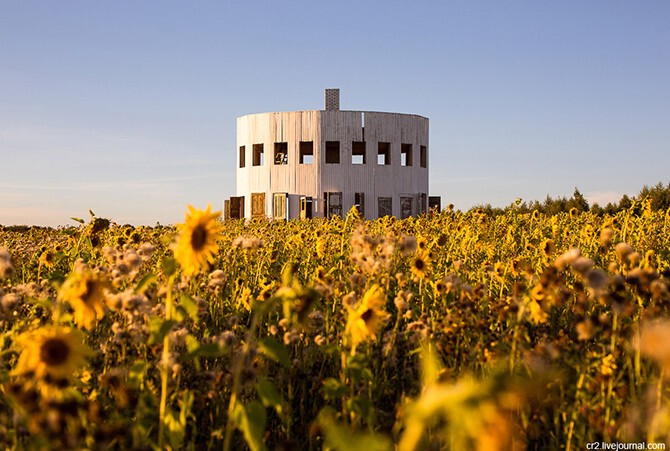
<point x="85" y="291"/>
<point x="52" y="352"/>
<point x="421" y="265"/>
<point x="367" y="319"/>
<point x="47" y="259"/>
<point x="196" y="245"/>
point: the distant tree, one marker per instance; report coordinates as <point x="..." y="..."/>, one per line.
<point x="578" y="201"/>
<point x="659" y="195"/>
<point x="625" y="203"/>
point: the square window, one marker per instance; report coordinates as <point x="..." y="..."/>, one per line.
<point x="384" y="154"/>
<point x="406" y="155"/>
<point x="358" y="152"/>
<point x="259" y="155"/>
<point x="306" y="152"/>
<point x="281" y="153"/>
<point x="332" y="152"/>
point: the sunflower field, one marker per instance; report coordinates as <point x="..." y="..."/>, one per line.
<point x="447" y="331"/>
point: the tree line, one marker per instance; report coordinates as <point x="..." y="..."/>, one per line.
<point x="658" y="196"/>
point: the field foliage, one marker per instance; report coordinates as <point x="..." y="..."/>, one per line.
<point x="447" y="331"/>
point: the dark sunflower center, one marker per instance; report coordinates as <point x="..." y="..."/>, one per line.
<point x="54" y="352"/>
<point x="419" y="264"/>
<point x="367" y="315"/>
<point x="199" y="237"/>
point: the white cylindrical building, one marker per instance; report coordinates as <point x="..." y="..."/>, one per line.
<point x="322" y="162"/>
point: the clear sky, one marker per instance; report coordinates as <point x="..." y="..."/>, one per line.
<point x="129" y="108"/>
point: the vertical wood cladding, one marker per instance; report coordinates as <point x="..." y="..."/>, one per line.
<point x="311" y="177"/>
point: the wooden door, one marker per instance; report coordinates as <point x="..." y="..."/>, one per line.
<point x="257" y="205"/>
<point x="280" y="206"/>
<point x="236" y="207"/>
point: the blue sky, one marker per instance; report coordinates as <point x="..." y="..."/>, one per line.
<point x="128" y="108"/>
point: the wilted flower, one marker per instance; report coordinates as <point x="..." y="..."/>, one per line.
<point x="6" y="267"/>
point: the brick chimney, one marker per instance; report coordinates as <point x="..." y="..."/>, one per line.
<point x="333" y="99"/>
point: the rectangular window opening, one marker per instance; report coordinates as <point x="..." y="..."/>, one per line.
<point x="383" y="154"/>
<point x="406" y="207"/>
<point x="332" y="152"/>
<point x="243" y="155"/>
<point x="406" y="155"/>
<point x="384" y="206"/>
<point x="359" y="203"/>
<point x="332" y="204"/>
<point x="424" y="156"/>
<point x="358" y="152"/>
<point x="306" y="207"/>
<point x="281" y="153"/>
<point x="306" y="152"/>
<point x="259" y="155"/>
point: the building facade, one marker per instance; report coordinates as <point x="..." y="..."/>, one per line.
<point x="318" y="163"/>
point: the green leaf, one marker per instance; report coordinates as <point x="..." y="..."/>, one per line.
<point x="175" y="430"/>
<point x="250" y="419"/>
<point x="430" y="364"/>
<point x="333" y="389"/>
<point x="79" y="220"/>
<point x="137" y="372"/>
<point x="274" y="350"/>
<point x="269" y="395"/>
<point x="192" y="343"/>
<point x="357" y="368"/>
<point x="189" y="306"/>
<point x="169" y="266"/>
<point x="341" y="438"/>
<point x="145" y="282"/>
<point x="364" y="408"/>
<point x="158" y="329"/>
<point x="206" y="350"/>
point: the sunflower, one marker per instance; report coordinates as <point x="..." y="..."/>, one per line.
<point x="366" y="320"/>
<point x="47" y="259"/>
<point x="421" y="265"/>
<point x="548" y="247"/>
<point x="196" y="245"/>
<point x="85" y="291"/>
<point x="51" y="351"/>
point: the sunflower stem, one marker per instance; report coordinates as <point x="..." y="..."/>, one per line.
<point x="163" y="367"/>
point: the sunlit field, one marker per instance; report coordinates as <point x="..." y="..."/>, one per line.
<point x="448" y="331"/>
